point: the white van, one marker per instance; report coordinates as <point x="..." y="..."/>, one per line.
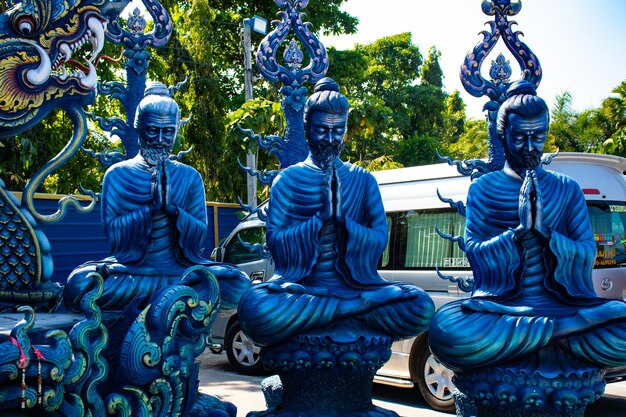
<point x="415" y="251"/>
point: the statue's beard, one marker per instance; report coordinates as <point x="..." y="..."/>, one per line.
<point x="324" y="153"/>
<point x="154" y="154"/>
<point x="525" y="161"/>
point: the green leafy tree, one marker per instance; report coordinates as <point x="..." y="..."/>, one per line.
<point x="453" y="118"/>
<point x="365" y="141"/>
<point x="613" y="120"/>
<point x="562" y="123"/>
<point x="418" y="150"/>
<point x="394" y="63"/>
<point x="432" y="74"/>
<point x="473" y="142"/>
<point x="391" y="71"/>
<point x="588" y="129"/>
<point x="349" y="69"/>
<point x="381" y="163"/>
<point x="573" y="131"/>
<point x="615" y="107"/>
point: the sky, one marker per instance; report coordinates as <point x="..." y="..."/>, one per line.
<point x="581" y="44"/>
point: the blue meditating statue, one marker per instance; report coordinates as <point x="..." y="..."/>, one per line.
<point x="532" y="250"/>
<point x="154" y="215"/>
<point x="327" y="316"/>
<point x="326" y="230"/>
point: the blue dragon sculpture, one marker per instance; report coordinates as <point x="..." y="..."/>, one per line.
<point x="43" y="67"/>
<point x="41" y="44"/>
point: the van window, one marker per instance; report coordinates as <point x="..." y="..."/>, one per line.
<point x="607" y="221"/>
<point x="415" y="244"/>
<point x="237" y="253"/>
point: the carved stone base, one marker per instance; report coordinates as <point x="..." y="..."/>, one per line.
<point x="327" y="374"/>
<point x="210" y="406"/>
<point x="547" y="384"/>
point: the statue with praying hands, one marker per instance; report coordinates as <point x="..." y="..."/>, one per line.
<point x="326" y="316"/>
<point x="533" y="318"/>
<point x="154" y="215"/>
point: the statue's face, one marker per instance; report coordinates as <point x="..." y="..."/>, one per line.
<point x="525" y="138"/>
<point x="325" y="135"/>
<point x="156" y="136"/>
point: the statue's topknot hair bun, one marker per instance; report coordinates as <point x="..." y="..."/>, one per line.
<point x="156" y="88"/>
<point x="522" y="99"/>
<point x="326" y="84"/>
<point x="521" y="87"/>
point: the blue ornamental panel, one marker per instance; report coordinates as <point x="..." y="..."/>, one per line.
<point x="135" y="41"/>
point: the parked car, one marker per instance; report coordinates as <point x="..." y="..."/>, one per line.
<point x="415" y="251"/>
<point x="226" y="333"/>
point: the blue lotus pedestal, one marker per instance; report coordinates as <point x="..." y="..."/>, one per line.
<point x="327" y="373"/>
<point x="549" y="383"/>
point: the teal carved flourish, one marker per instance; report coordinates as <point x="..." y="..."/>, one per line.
<point x="157" y="358"/>
<point x="89" y="338"/>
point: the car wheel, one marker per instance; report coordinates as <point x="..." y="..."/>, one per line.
<point x="242" y="353"/>
<point x="433" y="380"/>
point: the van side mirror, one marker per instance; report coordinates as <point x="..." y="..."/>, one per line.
<point x="218" y="254"/>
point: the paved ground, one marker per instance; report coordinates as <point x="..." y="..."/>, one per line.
<point x="218" y="378"/>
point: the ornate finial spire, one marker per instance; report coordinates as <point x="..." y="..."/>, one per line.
<point x="500" y="27"/>
<point x="136" y="23"/>
<point x="135" y="37"/>
<point x="135" y="41"/>
<point x="292" y="74"/>
<point x="500" y="71"/>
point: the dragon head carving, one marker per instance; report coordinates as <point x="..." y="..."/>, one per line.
<point x="48" y="55"/>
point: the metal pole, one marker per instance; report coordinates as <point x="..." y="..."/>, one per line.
<point x="247" y="78"/>
<point x="247" y="59"/>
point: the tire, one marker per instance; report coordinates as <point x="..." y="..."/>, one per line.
<point x="242" y="353"/>
<point x="433" y="379"/>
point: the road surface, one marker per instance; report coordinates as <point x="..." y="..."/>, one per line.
<point x="218" y="378"/>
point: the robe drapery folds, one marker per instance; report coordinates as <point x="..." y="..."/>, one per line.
<point x="294" y="301"/>
<point x="492" y="213"/>
<point x="500" y="322"/>
<point x="151" y="250"/>
<point x="294" y="223"/>
<point x="127" y="199"/>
